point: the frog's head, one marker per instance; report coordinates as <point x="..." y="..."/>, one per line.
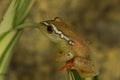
<point x="50" y="29"/>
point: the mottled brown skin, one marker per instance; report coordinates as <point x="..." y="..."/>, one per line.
<point x="75" y="55"/>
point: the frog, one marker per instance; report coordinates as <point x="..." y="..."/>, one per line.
<point x="72" y="49"/>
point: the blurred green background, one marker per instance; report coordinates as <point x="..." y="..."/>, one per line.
<point x="98" y="21"/>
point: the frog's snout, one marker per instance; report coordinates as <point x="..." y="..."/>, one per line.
<point x="44" y="23"/>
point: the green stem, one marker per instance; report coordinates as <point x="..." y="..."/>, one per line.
<point x="24" y="26"/>
<point x="74" y="75"/>
<point x="27" y="25"/>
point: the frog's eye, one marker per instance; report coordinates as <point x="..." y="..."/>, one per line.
<point x="49" y="29"/>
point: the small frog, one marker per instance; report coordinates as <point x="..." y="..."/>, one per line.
<point x="72" y="49"/>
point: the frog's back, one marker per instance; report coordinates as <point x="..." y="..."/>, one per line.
<point x="67" y="30"/>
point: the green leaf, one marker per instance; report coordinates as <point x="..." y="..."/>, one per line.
<point x="13" y="17"/>
<point x="74" y="75"/>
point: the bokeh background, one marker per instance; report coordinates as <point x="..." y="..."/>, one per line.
<point x="98" y="21"/>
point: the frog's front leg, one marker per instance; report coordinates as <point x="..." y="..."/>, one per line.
<point x="65" y="52"/>
<point x="64" y="55"/>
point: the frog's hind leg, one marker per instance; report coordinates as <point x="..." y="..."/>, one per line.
<point x="84" y="67"/>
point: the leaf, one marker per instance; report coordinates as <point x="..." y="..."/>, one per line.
<point x="74" y="75"/>
<point x="13" y="17"/>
